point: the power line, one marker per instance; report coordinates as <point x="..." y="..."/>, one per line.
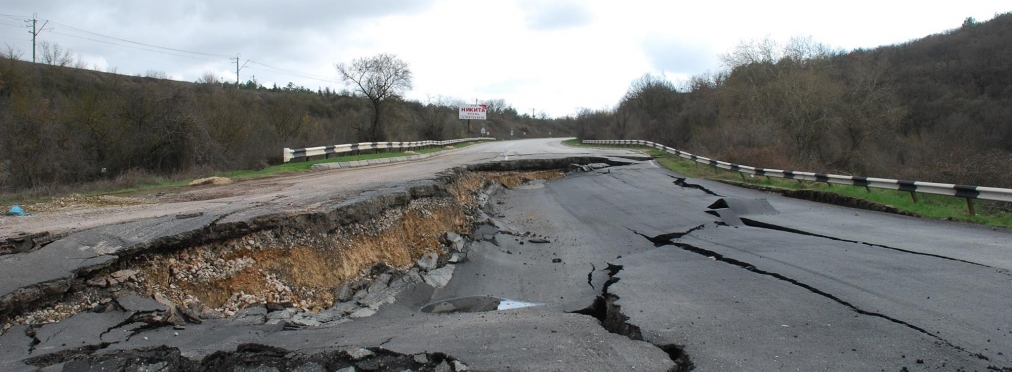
<point x="294" y="73"/>
<point x="139" y="43"/>
<point x="202" y="56"/>
<point x="136" y="47"/>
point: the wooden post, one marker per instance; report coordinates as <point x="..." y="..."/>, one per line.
<point x="969" y="206"/>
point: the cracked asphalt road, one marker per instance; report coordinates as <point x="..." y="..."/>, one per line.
<point x="812" y="287"/>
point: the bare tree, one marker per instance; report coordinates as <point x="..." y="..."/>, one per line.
<point x="432" y="117"/>
<point x="156" y="74"/>
<point x="286" y="115"/>
<point x="54" y="54"/>
<point x="497" y="106"/>
<point x="10" y="76"/>
<point x="11" y="52"/>
<point x="379" y="78"/>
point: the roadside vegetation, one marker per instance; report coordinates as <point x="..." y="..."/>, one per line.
<point x="935" y="109"/>
<point x="67" y="129"/>
<point x="928" y="206"/>
<point x="152" y="185"/>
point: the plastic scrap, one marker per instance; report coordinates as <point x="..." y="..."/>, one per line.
<point x="17" y="211"/>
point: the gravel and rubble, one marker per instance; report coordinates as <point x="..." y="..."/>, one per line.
<point x="255" y="357"/>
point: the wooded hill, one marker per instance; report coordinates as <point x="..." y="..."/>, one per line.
<point x="66" y="126"/>
<point x="934" y="109"/>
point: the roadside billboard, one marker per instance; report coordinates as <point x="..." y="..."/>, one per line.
<point x="473" y="112"/>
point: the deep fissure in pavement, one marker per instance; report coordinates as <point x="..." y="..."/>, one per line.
<point x="768" y="226"/>
<point x="666" y="239"/>
<point x="251" y="357"/>
<point x="609" y="313"/>
<point x="826" y="197"/>
<point x="680" y="181"/>
<point x="658" y="241"/>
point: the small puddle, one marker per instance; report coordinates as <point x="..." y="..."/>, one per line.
<point x="474" y="304"/>
<point x="531" y="185"/>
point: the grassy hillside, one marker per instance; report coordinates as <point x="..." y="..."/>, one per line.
<point x="64" y="128"/>
<point x="936" y="109"/>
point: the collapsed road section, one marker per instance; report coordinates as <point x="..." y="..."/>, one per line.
<point x="294" y="271"/>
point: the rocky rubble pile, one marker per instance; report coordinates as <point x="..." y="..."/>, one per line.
<point x="363" y="296"/>
<point x="587" y="167"/>
<point x="254" y="357"/>
<point x="355" y="298"/>
<point x="240" y="273"/>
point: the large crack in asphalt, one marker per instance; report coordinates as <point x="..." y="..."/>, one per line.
<point x="680" y="181"/>
<point x="663" y="240"/>
<point x="769" y="226"/>
<point x="251" y="357"/>
<point x="609" y="313"/>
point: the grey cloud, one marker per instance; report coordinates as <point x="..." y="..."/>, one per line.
<point x="504" y="87"/>
<point x="282" y="34"/>
<point x="554" y="15"/>
<point x="677" y="57"/>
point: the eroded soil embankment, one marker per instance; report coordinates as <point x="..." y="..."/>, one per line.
<point x="297" y="261"/>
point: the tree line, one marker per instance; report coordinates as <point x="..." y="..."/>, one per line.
<point x="934" y="109"/>
<point x="62" y="126"/>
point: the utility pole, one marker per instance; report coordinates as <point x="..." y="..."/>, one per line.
<point x="237" y="68"/>
<point x="35" y="31"/>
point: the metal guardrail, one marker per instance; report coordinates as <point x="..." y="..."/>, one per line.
<point x="959" y="191"/>
<point x="326" y="151"/>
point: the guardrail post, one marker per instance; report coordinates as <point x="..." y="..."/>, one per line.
<point x="742" y="176"/>
<point x="969" y="206"/>
<point x="913" y="195"/>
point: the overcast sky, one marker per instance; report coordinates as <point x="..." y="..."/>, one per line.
<point x="552" y="56"/>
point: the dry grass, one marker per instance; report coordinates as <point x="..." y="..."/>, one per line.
<point x="80" y="201"/>
<point x="210" y="181"/>
<point x="514" y="179"/>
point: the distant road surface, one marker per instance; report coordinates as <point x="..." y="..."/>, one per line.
<point x="287" y="192"/>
